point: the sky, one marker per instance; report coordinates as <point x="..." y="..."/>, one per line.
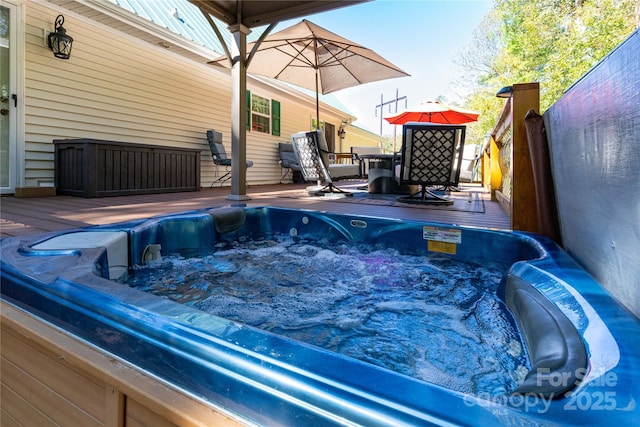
<point x="422" y="37"/>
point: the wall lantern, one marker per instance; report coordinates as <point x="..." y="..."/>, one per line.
<point x="59" y="42"/>
<point x="505" y="92"/>
<point x="341" y="133"/>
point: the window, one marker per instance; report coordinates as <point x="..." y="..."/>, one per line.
<point x="263" y="114"/>
<point x="260" y="114"/>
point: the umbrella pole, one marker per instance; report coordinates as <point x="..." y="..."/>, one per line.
<point x="317" y="103"/>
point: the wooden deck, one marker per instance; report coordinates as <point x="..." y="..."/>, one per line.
<point x="20" y="216"/>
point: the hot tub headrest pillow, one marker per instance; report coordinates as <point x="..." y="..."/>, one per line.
<point x="227" y="220"/>
<point x="556" y="350"/>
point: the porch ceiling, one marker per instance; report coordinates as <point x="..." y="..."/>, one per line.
<point x="256" y="13"/>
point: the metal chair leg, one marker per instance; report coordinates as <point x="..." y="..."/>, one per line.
<point x="287" y="171"/>
<point x="224" y="178"/>
<point x="329" y="188"/>
<point x="425" y="197"/>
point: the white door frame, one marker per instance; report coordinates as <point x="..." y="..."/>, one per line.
<point x="16" y="103"/>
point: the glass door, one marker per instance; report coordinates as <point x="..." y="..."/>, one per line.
<point x="8" y="99"/>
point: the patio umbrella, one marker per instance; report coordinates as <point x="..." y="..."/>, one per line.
<point x="314" y="58"/>
<point x="434" y="112"/>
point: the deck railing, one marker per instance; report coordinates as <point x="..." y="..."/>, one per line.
<point x="506" y="164"/>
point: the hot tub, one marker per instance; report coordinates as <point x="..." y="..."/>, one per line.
<point x="582" y="345"/>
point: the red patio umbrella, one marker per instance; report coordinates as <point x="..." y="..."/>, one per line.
<point x="434" y="112"/>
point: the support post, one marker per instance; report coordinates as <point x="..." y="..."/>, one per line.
<point x="239" y="113"/>
<point x="526" y="96"/>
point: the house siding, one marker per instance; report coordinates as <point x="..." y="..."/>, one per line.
<point x="358" y="137"/>
<point x="118" y="88"/>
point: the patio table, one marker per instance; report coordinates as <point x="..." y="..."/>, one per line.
<point x="381" y="172"/>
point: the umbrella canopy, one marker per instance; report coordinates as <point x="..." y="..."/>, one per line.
<point x="314" y="58"/>
<point x="434" y="112"/>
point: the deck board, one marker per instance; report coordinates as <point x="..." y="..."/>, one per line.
<point x="20" y="216"/>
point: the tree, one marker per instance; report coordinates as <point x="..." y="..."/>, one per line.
<point x="553" y="42"/>
<point x="482" y="76"/>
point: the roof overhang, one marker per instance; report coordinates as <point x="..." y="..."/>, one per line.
<point x="256" y="13"/>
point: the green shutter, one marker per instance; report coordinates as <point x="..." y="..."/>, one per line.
<point x="275" y="117"/>
<point x="248" y="110"/>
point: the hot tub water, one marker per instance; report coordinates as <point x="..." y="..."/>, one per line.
<point x="431" y="318"/>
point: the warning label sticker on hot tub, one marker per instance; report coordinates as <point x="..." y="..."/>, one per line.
<point x="442" y="239"/>
<point x="441" y="247"/>
<point x="441" y="234"/>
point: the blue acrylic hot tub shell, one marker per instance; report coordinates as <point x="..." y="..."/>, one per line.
<point x="268" y="379"/>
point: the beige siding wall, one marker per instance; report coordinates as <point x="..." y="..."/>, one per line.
<point x="118" y="88"/>
<point x="358" y="137"/>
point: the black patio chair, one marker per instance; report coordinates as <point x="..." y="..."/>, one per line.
<point x="288" y="162"/>
<point x="431" y="155"/>
<point x="219" y="155"/>
<point x="313" y="156"/>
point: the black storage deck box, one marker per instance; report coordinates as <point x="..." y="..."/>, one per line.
<point x="98" y="168"/>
